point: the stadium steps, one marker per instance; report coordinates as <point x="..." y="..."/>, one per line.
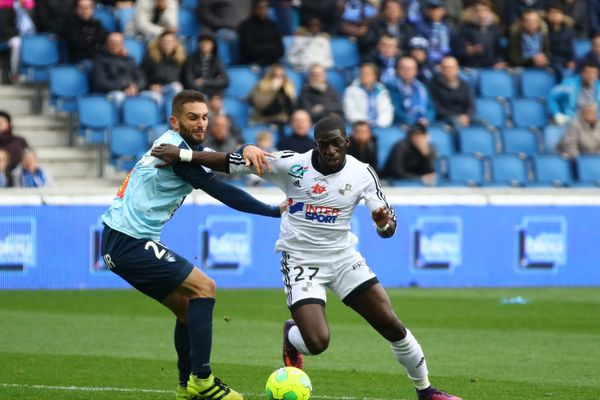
<point x="47" y="133"/>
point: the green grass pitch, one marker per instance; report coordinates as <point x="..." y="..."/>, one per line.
<point x="62" y="345"/>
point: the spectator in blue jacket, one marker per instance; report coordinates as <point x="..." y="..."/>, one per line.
<point x="565" y="99"/>
<point x="385" y="56"/>
<point x="410" y="98"/>
<point x="436" y="30"/>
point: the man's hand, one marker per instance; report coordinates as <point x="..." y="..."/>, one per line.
<point x="168" y="153"/>
<point x="256" y="157"/>
<point x="381" y="216"/>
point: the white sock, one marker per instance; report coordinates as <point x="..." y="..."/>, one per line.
<point x="408" y="352"/>
<point x="296" y="340"/>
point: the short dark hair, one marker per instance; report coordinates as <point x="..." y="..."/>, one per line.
<point x="186" y="96"/>
<point x="5" y="115"/>
<point x="356" y="124"/>
<point x="328" y="124"/>
<point x="589" y="64"/>
<point x="417" y="129"/>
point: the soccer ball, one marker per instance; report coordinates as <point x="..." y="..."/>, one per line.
<point x="288" y="383"/>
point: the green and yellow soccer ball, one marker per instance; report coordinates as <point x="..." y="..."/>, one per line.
<point x="288" y="383"/>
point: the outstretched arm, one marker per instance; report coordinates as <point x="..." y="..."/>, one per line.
<point x="171" y="154"/>
<point x="240" y="200"/>
<point x="384" y="223"/>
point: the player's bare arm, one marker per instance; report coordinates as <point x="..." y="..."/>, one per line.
<point x="384" y="223"/>
<point x="171" y="154"/>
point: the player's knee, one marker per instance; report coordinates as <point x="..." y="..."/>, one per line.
<point x="394" y="330"/>
<point x="206" y="287"/>
<point x="317" y="344"/>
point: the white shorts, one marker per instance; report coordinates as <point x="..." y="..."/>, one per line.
<point x="305" y="278"/>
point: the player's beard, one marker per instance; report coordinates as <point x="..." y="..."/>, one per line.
<point x="191" y="136"/>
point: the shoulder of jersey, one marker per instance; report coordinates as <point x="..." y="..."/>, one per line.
<point x="284" y="154"/>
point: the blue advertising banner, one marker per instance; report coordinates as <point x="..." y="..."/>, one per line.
<point x="58" y="246"/>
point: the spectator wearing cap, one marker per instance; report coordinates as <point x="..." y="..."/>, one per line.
<point x="592" y="56"/>
<point x="368" y="100"/>
<point x="565" y="98"/>
<point x="412" y="158"/>
<point x="480" y="39"/>
<point x="410" y="98"/>
<point x="453" y="98"/>
<point x="392" y="22"/>
<point x="436" y="30"/>
<point x="203" y="70"/>
<point x="260" y="39"/>
<point x="561" y="37"/>
<point x="417" y="49"/>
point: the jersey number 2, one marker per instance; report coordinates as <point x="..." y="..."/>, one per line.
<point x="159" y="253"/>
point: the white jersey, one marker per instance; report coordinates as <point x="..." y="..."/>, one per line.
<point x="320" y="206"/>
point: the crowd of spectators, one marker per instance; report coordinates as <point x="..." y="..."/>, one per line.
<point x="411" y="52"/>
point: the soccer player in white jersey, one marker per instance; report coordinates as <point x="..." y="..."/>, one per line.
<point x="323" y="187"/>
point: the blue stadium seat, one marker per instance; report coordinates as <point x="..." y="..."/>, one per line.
<point x="168" y="106"/>
<point x="124" y="16"/>
<point x="191" y="4"/>
<point x="465" y="169"/>
<point x="476" y="140"/>
<point x="188" y="22"/>
<point x="125" y="143"/>
<point x="529" y="113"/>
<point x="141" y="112"/>
<point x="67" y="83"/>
<point x="38" y="54"/>
<point x="296" y="77"/>
<point x="552" y="135"/>
<point x="552" y="170"/>
<point x="386" y="139"/>
<point x="107" y="18"/>
<point x="249" y="132"/>
<point x="345" y="52"/>
<point x="223" y="51"/>
<point x="536" y="82"/>
<point x="519" y="141"/>
<point x="135" y="48"/>
<point x="509" y="170"/>
<point x="582" y="46"/>
<point x="490" y="111"/>
<point x="96" y="116"/>
<point x="441" y="140"/>
<point x="156" y="131"/>
<point x="496" y="83"/>
<point x="588" y="170"/>
<point x="241" y="81"/>
<point x="237" y="110"/>
<point x="337" y="80"/>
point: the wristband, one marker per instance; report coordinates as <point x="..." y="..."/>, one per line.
<point x="383" y="228"/>
<point x="185" y="155"/>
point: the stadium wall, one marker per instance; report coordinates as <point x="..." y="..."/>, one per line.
<point x="444" y="239"/>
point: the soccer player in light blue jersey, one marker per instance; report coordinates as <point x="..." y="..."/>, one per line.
<point x="131" y="247"/>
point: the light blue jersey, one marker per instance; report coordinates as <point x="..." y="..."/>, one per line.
<point x="149" y="196"/>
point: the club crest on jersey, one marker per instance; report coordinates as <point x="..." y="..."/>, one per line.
<point x="318" y="191"/>
<point x="345" y="190"/>
<point x="297" y="171"/>
<point x="321" y="214"/>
